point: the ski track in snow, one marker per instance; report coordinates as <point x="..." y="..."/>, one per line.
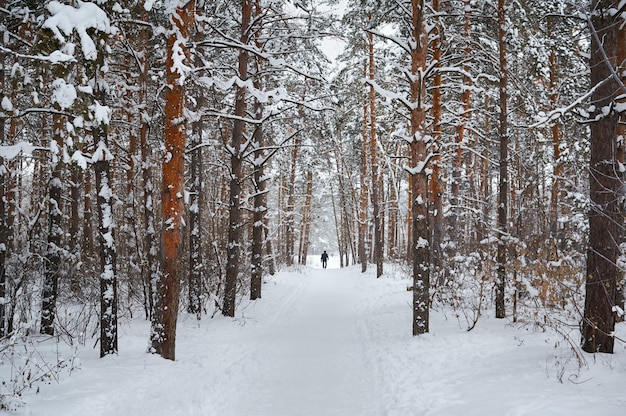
<point x="335" y="342"/>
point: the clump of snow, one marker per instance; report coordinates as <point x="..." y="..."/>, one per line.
<point x="7" y="105"/>
<point x="63" y="94"/>
<point x="65" y="19"/>
<point x="147" y="5"/>
<point x="101" y="113"/>
<point x="178" y="61"/>
<point x="80" y="159"/>
<point x="57" y="57"/>
<point x="10" y="152"/>
<point x="102" y="153"/>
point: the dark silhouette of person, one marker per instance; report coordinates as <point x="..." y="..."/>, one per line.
<point x="324" y="259"/>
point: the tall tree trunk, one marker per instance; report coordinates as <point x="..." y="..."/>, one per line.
<point x="376" y="211"/>
<point x="392" y="227"/>
<point x="435" y="194"/>
<point x="258" y="215"/>
<point x="108" y="265"/>
<point x="259" y="219"/>
<point x="271" y="263"/>
<point x="409" y="221"/>
<point x="87" y="240"/>
<point x="196" y="207"/>
<point x="149" y="263"/>
<point x="76" y="184"/>
<point x="195" y="214"/>
<point x="53" y="256"/>
<point x="485" y="179"/>
<point x="163" y="331"/>
<point x="12" y="187"/>
<point x="557" y="165"/>
<point x="4" y="231"/>
<point x="418" y="158"/>
<point x="131" y="231"/>
<point x="457" y="159"/>
<point x="605" y="187"/>
<point x="345" y="205"/>
<point x="363" y="207"/>
<point x="620" y="298"/>
<point x="290" y="235"/>
<point x="306" y="218"/>
<point x="233" y="250"/>
<point x="339" y="229"/>
<point x="503" y="190"/>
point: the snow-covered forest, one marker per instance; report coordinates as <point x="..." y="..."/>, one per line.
<point x="168" y="161"/>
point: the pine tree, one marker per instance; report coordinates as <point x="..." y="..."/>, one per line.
<point x="605" y="220"/>
<point x="163" y="331"/>
<point x="503" y="187"/>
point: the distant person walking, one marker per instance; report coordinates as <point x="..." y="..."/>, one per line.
<point x="324" y="259"/>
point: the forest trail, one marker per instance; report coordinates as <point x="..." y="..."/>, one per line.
<point x="313" y="359"/>
<point x="334" y="342"/>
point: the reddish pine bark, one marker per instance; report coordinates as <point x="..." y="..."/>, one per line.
<point x="163" y="336"/>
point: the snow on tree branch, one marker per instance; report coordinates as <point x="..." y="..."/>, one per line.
<point x="12" y="151"/>
<point x="65" y="19"/>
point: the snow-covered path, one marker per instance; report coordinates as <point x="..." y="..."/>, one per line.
<point x="312" y="360"/>
<point x="337" y="342"/>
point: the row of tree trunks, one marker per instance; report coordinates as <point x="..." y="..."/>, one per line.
<point x="462" y="136"/>
<point x="457" y="157"/>
<point x="347" y="243"/>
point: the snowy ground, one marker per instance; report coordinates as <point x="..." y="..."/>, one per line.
<point x="336" y="342"/>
